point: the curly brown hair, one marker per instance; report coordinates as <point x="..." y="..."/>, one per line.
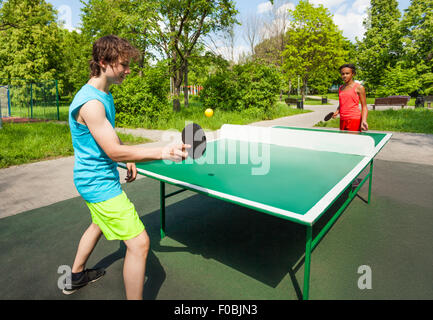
<point x="348" y="65"/>
<point x="111" y="49"/>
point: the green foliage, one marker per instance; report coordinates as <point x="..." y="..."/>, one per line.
<point x="220" y="91"/>
<point x="76" y="55"/>
<point x="135" y="20"/>
<point x="30" y="41"/>
<point x="416" y="29"/>
<point x="200" y="67"/>
<point x="381" y="47"/>
<point x="399" y="81"/>
<point x="249" y="86"/>
<point x="142" y="98"/>
<point x="396" y="55"/>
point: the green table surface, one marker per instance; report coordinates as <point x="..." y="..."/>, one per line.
<point x="296" y="180"/>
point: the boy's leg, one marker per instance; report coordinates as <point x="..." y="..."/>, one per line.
<point x="134" y="267"/>
<point x="87" y="243"/>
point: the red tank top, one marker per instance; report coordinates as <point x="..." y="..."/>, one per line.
<point x="349" y="103"/>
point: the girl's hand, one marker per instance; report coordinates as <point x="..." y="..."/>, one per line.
<point x="336" y="113"/>
<point x="364" y="125"/>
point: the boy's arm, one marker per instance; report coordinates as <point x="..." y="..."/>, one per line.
<point x="93" y="114"/>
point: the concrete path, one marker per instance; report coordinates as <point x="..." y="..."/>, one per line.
<point x="35" y="185"/>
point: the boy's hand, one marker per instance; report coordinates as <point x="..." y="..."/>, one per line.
<point x="132" y="172"/>
<point x="175" y="153"/>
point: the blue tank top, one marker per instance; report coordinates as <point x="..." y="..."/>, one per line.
<point x="95" y="174"/>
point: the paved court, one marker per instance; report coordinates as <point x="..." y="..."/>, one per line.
<point x="217" y="255"/>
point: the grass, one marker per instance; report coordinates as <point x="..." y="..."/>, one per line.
<point x="30" y="142"/>
<point x="195" y="113"/>
<point x="418" y="120"/>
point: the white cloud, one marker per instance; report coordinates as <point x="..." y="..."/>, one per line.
<point x="264" y="7"/>
<point x="361" y="6"/>
<point x="327" y="3"/>
<point x="341" y="9"/>
<point x="282" y="11"/>
<point x="351" y="24"/>
<point x="350" y="18"/>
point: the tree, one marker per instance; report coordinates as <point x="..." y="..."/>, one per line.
<point x="275" y="34"/>
<point x="399" y="80"/>
<point x="417" y="30"/>
<point x="30" y="41"/>
<point x="316" y="46"/>
<point x="135" y="20"/>
<point x="185" y="23"/>
<point x="76" y="52"/>
<point x="252" y="25"/>
<point x="381" y="46"/>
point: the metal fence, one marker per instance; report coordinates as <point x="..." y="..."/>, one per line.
<point x="31" y="99"/>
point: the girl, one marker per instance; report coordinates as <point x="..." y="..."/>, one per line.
<point x="350" y="94"/>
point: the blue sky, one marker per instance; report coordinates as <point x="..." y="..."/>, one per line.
<point x="348" y="14"/>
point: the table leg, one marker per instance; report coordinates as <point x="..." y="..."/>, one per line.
<point x="370" y="181"/>
<point x="162" y="209"/>
<point x="307" y="263"/>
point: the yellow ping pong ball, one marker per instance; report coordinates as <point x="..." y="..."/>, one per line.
<point x="209" y="112"/>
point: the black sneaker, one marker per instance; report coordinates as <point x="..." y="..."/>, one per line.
<point x="88" y="276"/>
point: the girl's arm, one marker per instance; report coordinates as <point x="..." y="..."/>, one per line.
<point x="336" y="112"/>
<point x="364" y="110"/>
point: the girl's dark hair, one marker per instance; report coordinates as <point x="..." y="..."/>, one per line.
<point x="110" y="49"/>
<point x="348" y="65"/>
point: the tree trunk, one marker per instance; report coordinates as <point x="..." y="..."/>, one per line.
<point x="304" y="88"/>
<point x="185" y="85"/>
<point x="177" y="83"/>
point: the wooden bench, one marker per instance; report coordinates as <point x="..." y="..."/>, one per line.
<point x="298" y="102"/>
<point x="428" y="100"/>
<point x="391" y="101"/>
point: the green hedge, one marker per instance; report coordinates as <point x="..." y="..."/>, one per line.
<point x="142" y="98"/>
<point x="248" y="86"/>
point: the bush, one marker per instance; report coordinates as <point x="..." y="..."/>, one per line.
<point x="142" y="99"/>
<point x="399" y="81"/>
<point x="249" y="86"/>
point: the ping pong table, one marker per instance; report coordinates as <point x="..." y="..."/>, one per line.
<point x="294" y="174"/>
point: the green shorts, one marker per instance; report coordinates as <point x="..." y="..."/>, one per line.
<point x="117" y="218"/>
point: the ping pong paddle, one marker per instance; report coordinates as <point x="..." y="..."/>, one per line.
<point x="328" y="116"/>
<point x="194" y="135"/>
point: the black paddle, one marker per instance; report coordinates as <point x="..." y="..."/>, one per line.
<point x="194" y="135"/>
<point x="328" y="116"/>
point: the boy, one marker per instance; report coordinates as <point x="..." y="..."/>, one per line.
<point x="97" y="150"/>
<point x="350" y="94"/>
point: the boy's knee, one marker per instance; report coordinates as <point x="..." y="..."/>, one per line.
<point x="139" y="244"/>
